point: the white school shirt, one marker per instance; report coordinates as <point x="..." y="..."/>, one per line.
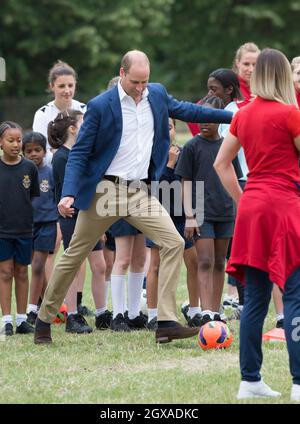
<point x="133" y="156"/>
<point x="46" y="114"/>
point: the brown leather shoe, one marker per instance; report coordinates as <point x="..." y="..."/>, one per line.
<point x="42" y="335"/>
<point x="166" y="335"/>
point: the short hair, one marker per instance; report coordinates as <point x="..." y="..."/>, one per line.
<point x="36" y="138"/>
<point x="272" y="77"/>
<point x="214" y="101"/>
<point x="114" y="81"/>
<point x="295" y="61"/>
<point x="58" y="129"/>
<point x="132" y="56"/>
<point x="58" y="69"/>
<point x="6" y="125"/>
<point x="249" y="47"/>
<point x="228" y="78"/>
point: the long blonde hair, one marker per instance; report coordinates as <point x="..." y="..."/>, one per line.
<point x="272" y="77"/>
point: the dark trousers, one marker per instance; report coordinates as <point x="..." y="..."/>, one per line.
<point x="257" y="298"/>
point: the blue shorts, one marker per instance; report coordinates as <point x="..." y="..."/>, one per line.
<point x="44" y="236"/>
<point x="121" y="228"/>
<point x="67" y="226"/>
<point x="216" y="230"/>
<point x="110" y="241"/>
<point x="180" y="228"/>
<point x="20" y="250"/>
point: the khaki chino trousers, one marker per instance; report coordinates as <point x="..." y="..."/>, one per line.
<point x="111" y="202"/>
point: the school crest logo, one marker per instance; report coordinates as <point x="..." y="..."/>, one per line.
<point x="44" y="186"/>
<point x="26" y="181"/>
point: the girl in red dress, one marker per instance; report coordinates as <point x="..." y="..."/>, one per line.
<point x="266" y="238"/>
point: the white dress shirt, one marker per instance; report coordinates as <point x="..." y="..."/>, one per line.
<point x="133" y="156"/>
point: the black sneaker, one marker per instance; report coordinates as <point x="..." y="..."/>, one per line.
<point x="77" y="324"/>
<point x="7" y="330"/>
<point x="217" y="317"/>
<point x="119" y="323"/>
<point x="137" y="323"/>
<point x="152" y="325"/>
<point x="195" y="321"/>
<point x="205" y="319"/>
<point x="103" y="321"/>
<point x="279" y="323"/>
<point x="24" y="328"/>
<point x="31" y="317"/>
<point x="85" y="311"/>
<point x="184" y="310"/>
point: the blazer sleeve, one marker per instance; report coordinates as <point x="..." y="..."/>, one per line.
<point x="82" y="150"/>
<point x="191" y="112"/>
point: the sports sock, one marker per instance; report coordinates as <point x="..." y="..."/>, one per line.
<point x="32" y="308"/>
<point x="100" y="311"/>
<point x="79" y="298"/>
<point x="20" y="318"/>
<point x="194" y="311"/>
<point x="135" y="287"/>
<point x="7" y="319"/>
<point x="152" y="313"/>
<point x="118" y="294"/>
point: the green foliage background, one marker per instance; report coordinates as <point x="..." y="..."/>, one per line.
<point x="185" y="39"/>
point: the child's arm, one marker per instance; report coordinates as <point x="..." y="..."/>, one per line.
<point x="224" y="168"/>
<point x="191" y="225"/>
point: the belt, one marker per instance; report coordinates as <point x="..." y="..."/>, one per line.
<point x="126" y="183"/>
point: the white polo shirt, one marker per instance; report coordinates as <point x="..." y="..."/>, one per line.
<point x="133" y="156"/>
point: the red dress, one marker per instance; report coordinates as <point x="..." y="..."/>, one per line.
<point x="267" y="228"/>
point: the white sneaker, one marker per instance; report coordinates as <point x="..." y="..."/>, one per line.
<point x="295" y="393"/>
<point x="254" y="389"/>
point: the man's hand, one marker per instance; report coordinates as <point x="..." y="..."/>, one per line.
<point x="64" y="207"/>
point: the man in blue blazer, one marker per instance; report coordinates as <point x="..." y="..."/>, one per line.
<point x="124" y="141"/>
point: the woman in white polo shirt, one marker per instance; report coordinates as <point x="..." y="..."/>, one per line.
<point x="62" y="80"/>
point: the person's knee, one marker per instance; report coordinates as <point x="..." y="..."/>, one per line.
<point x="38" y="267"/>
<point x="205" y="263"/>
<point x="6" y="274"/>
<point x="21" y="272"/>
<point x="98" y="267"/>
<point x="123" y="263"/>
<point x="219" y="265"/>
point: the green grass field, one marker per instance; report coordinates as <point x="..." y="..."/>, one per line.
<point x="108" y="367"/>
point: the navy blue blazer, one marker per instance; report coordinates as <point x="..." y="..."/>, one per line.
<point x="100" y="135"/>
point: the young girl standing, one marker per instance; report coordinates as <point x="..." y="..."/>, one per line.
<point x="45" y="218"/>
<point x="212" y="238"/>
<point x="18" y="185"/>
<point x="62" y="81"/>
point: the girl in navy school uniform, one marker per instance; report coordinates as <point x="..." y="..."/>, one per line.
<point x="18" y="185"/>
<point x="45" y="220"/>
